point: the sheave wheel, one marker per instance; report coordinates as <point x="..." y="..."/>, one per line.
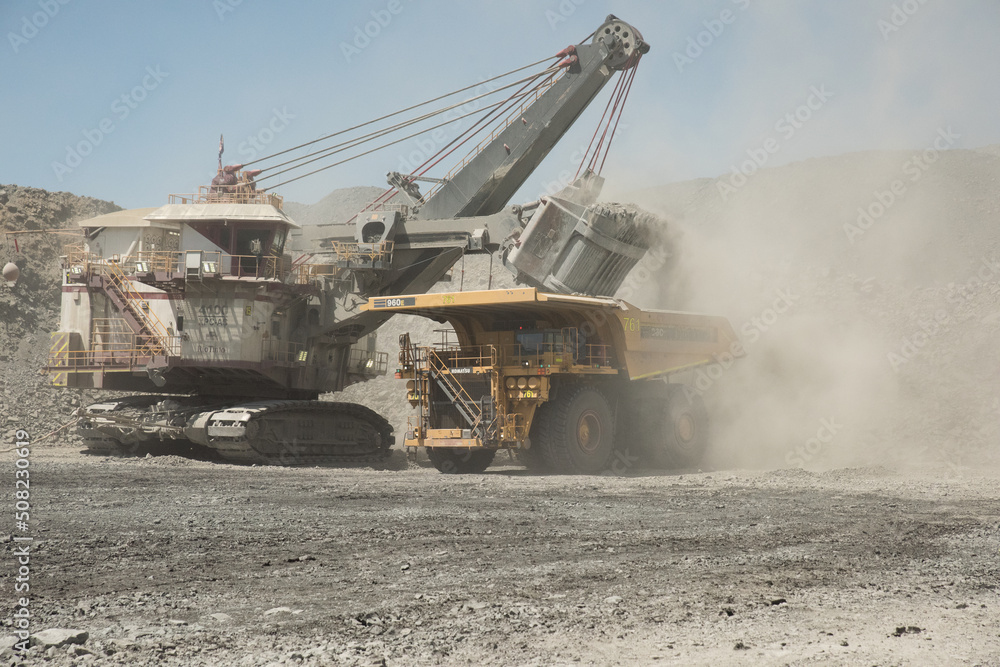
<point x="578" y="432"/>
<point x="452" y="461"/>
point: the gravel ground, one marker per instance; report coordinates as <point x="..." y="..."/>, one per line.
<point x="166" y="560"/>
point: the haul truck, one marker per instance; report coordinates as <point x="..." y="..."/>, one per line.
<point x="565" y="380"/>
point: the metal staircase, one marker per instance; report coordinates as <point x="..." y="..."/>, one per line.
<point x="480" y="415"/>
<point x="151" y="337"/>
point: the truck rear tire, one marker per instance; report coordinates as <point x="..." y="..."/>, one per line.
<point x="672" y="425"/>
<point x="460" y="461"/>
<point x="577" y="434"/>
<point x="687" y="427"/>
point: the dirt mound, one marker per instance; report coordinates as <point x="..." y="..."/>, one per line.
<point x="30" y="309"/>
<point x="990" y="150"/>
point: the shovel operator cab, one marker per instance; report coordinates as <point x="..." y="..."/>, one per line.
<point x="564" y="380"/>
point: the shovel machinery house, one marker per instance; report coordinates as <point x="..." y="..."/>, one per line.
<point x="197" y="306"/>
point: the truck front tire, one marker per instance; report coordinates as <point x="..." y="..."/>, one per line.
<point x="577" y="435"/>
<point x="452" y="461"/>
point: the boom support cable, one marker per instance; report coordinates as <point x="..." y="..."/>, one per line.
<point x="396" y="113"/>
<point x="328" y="152"/>
<point x="444" y="152"/>
<point x="392" y="128"/>
<point x="607" y="128"/>
<point x="333" y="150"/>
<point x="513" y="99"/>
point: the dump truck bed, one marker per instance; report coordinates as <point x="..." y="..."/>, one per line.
<point x="646" y="343"/>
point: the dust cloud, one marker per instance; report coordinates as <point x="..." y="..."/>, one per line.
<point x="869" y="319"/>
<point x="864" y="285"/>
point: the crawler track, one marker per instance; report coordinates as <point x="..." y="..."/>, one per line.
<point x="294" y="433"/>
<point x="275" y="432"/>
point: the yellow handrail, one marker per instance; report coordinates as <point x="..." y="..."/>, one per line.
<point x="476" y="356"/>
<point x="362" y="251"/>
<point x="141" y="310"/>
<point x="172" y="262"/>
<point x="126" y="354"/>
<point x="558" y="353"/>
<point x="236" y="194"/>
<point x="438" y="365"/>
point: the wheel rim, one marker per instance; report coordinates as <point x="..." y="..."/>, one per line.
<point x="686" y="428"/>
<point x="589" y="432"/>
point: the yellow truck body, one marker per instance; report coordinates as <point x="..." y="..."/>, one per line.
<point x="515" y="350"/>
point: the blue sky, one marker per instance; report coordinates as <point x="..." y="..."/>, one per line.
<point x="892" y="72"/>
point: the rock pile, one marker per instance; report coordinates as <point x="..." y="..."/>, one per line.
<point x="30" y="309"/>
